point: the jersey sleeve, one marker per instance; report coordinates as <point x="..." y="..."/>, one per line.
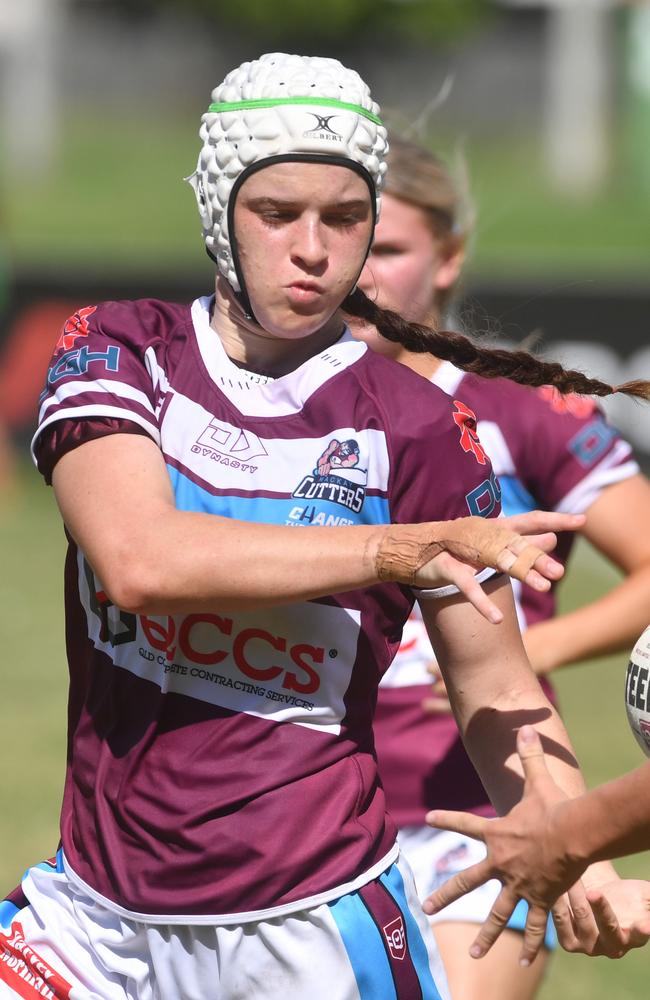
<point x="573" y="451"/>
<point x="442" y="472"/>
<point x="102" y="378"/>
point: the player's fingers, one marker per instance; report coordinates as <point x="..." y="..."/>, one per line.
<point x="538" y="521"/>
<point x="531" y="753"/>
<point x="458" y="885"/>
<point x="563" y="920"/>
<point x="534" y="934"/>
<point x="459" y="822"/>
<point x="613" y="941"/>
<point x="496" y="922"/>
<point x="584" y="922"/>
<point x="532" y="566"/>
<point x="462" y="576"/>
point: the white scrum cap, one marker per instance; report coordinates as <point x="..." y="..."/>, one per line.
<point x="637" y="691"/>
<point x="285" y="107"/>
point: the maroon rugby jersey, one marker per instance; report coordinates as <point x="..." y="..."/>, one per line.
<point x="551" y="452"/>
<point x="221" y="765"/>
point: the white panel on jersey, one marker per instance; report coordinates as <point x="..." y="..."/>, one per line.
<point x="284" y="395"/>
<point x="284" y="664"/>
<point x="494" y="443"/>
<point x="113" y="389"/>
<point x="279" y="463"/>
<point x="447" y="377"/>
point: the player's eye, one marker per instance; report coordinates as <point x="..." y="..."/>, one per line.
<point x="386" y="250"/>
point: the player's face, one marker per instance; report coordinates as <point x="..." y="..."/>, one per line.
<point x="302" y="232"/>
<point x="407" y="266"/>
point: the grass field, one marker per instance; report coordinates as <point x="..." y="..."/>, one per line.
<point x="33" y="703"/>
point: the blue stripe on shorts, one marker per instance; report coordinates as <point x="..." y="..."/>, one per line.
<point x="364" y="946"/>
<point x="393" y="881"/>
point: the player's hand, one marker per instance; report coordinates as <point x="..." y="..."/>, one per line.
<point x="608" y="920"/>
<point x="518" y="546"/>
<point x="524" y="853"/>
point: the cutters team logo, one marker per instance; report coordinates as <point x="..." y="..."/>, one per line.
<point x="465" y="420"/>
<point x="337" y="477"/>
<point x="75" y="327"/>
<point x="322" y="129"/>
<point x="395" y="938"/>
<point x="577" y="406"/>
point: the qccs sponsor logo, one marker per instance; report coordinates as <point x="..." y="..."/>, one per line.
<point x="262" y="656"/>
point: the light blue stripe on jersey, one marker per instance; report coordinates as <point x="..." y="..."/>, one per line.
<point x="46" y="866"/>
<point x="393" y="881"/>
<point x="271" y="510"/>
<point x="515" y="498"/>
<point x="8" y="911"/>
<point x="365" y="948"/>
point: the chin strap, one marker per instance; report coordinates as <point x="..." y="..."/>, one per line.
<point x="241" y="297"/>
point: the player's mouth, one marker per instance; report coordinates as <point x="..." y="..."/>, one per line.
<point x="305" y="292"/>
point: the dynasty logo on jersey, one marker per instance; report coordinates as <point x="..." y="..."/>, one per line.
<point x="229" y="445"/>
<point x="337" y="477"/>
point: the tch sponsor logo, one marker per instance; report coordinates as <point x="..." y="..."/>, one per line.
<point x="396" y="938"/>
<point x="25" y="972"/>
<point x="230" y="446"/>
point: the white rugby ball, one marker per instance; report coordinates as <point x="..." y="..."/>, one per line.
<point x="637" y="691"/>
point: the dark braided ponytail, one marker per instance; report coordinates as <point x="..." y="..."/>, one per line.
<point x="489" y="362"/>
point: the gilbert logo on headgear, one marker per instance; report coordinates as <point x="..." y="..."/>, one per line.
<point x="322" y="128"/>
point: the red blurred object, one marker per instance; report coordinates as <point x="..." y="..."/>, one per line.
<point x="24" y="360"/>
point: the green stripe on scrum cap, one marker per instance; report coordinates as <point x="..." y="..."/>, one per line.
<point x="273" y="102"/>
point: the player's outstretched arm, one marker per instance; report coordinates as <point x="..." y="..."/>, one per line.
<point x="116" y="500"/>
<point x="616" y="526"/>
<point x="542" y="847"/>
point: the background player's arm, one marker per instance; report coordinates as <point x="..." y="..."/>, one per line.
<point x="617" y="526"/>
<point x="116" y="500"/>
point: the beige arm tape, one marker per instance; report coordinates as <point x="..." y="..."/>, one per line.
<point x="405" y="548"/>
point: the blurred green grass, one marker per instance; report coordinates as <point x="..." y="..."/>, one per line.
<point x="33" y="707"/>
<point x="115" y="198"/>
